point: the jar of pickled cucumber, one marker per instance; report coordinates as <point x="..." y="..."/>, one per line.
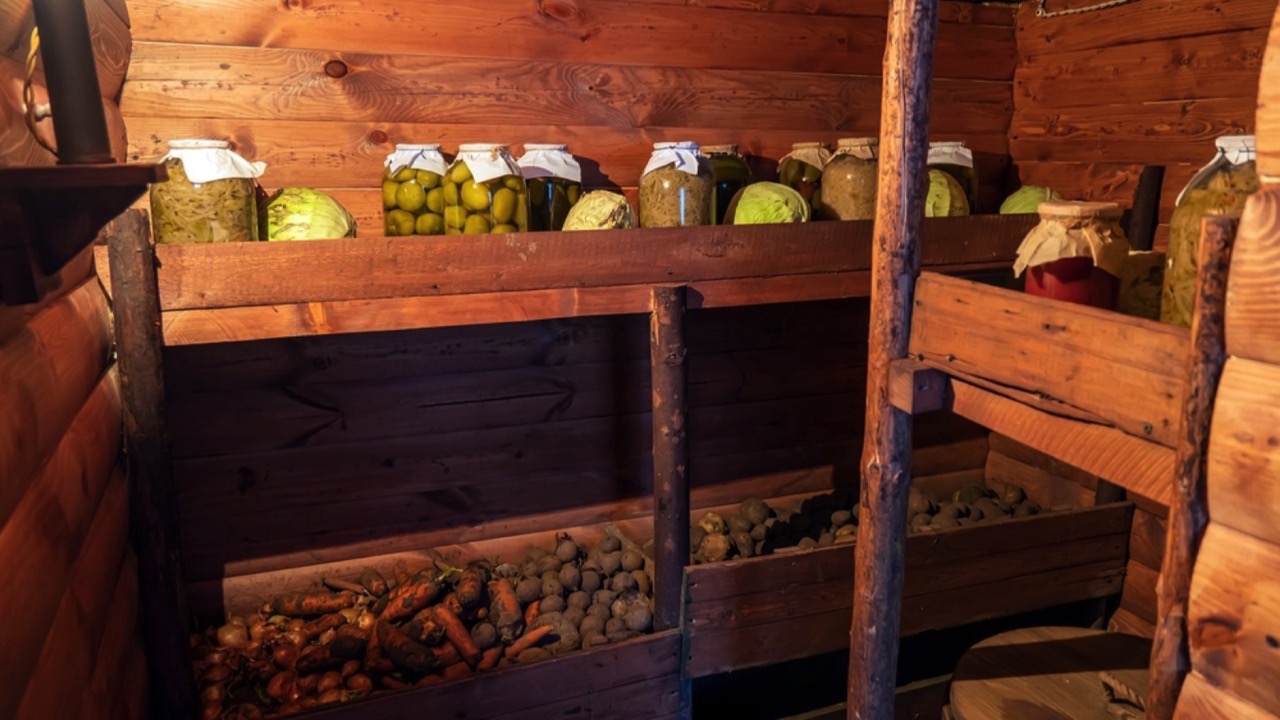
<point x="1220" y="188"/>
<point x="801" y="170"/>
<point x="849" y="181"/>
<point x="956" y="160"/>
<point x="731" y="174"/>
<point x="209" y="196"/>
<point x="484" y="192"/>
<point x="554" y="178"/>
<point x="677" y="188"/>
<point x="412" y="196"/>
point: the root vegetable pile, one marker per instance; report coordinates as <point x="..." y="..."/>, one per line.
<point x="374" y="633"/>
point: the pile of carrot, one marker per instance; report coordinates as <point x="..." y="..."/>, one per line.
<point x="385" y="632"/>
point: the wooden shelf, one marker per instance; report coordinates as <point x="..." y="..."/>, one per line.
<point x="249" y="291"/>
<point x="51" y="213"/>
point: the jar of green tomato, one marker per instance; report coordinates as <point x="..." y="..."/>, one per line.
<point x="676" y="189"/>
<point x="731" y="174"/>
<point x="554" y="178"/>
<point x="210" y="196"/>
<point x="484" y="192"/>
<point x="801" y="170"/>
<point x="412" y="199"/>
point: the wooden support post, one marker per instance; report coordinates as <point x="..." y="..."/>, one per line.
<point x="1188" y="514"/>
<point x="886" y="450"/>
<point x="153" y="509"/>
<point x="916" y="388"/>
<point x="667" y="355"/>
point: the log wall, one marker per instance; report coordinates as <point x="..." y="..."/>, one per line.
<point x="323" y="91"/>
<point x="1097" y="95"/>
<point x="73" y="650"/>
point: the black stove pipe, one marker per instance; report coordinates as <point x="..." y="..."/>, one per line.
<point x="79" y="123"/>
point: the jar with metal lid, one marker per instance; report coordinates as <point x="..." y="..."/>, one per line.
<point x="554" y="178"/>
<point x="849" y="181"/>
<point x="731" y="174"/>
<point x="956" y="160"/>
<point x="484" y="192"/>
<point x="210" y="196"/>
<point x="1220" y="188"/>
<point x="801" y="170"/>
<point x="1076" y="253"/>
<point x="677" y="188"/>
<point x="412" y="196"/>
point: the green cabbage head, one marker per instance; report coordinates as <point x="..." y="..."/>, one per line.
<point x="1027" y="199"/>
<point x="304" y="214"/>
<point x="946" y="198"/>
<point x="600" y="210"/>
<point x="766" y="203"/>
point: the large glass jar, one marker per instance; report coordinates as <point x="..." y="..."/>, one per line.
<point x="484" y="192"/>
<point x="1220" y="188"/>
<point x="555" y="184"/>
<point x="209" y="196"/>
<point x="1076" y="254"/>
<point x="801" y="170"/>
<point x="412" y="196"/>
<point x="677" y="187"/>
<point x="956" y="160"/>
<point x="849" y="181"/>
<point x="731" y="174"/>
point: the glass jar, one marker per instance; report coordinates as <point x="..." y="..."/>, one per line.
<point x="1076" y="254"/>
<point x="484" y="192"/>
<point x="1220" y="188"/>
<point x="554" y="178"/>
<point x="210" y="196"/>
<point x="677" y="188"/>
<point x="731" y="174"/>
<point x="849" y="181"/>
<point x="801" y="170"/>
<point x="956" y="160"/>
<point x="412" y="196"/>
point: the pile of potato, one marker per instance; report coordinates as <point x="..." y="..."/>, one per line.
<point x="832" y="518"/>
<point x="368" y="635"/>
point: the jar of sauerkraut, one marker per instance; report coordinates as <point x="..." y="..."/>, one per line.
<point x="677" y="187"/>
<point x="484" y="192"/>
<point x="801" y="170"/>
<point x="849" y="181"/>
<point x="209" y="196"/>
<point x="555" y="184"/>
<point x="412" y="198"/>
<point x="1220" y="188"/>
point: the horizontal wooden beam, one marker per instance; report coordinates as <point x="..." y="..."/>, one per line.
<point x="915" y="387"/>
<point x="1106" y="366"/>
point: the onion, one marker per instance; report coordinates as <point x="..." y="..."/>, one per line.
<point x="349" y="668"/>
<point x="307" y="683"/>
<point x="233" y="636"/>
<point x="216" y="674"/>
<point x="216" y="657"/>
<point x="350" y="614"/>
<point x="211" y="711"/>
<point x="366" y="621"/>
<point x="332" y="696"/>
<point x="294" y="624"/>
<point x="213" y="694"/>
<point x="295" y="637"/>
<point x="327" y="636"/>
<point x="286" y="655"/>
<point x="281" y="685"/>
<point x="359" y="682"/>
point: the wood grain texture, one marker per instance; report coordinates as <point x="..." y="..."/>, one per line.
<point x="1139" y="593"/>
<point x="108" y="31"/>
<point x="1201" y="700"/>
<point x="1141" y="467"/>
<point x="1081" y="356"/>
<point x="42" y="538"/>
<point x="119" y="641"/>
<point x="1242" y="458"/>
<point x="1252" y="328"/>
<point x="1042" y="487"/>
<point x="70" y="650"/>
<point x="669" y="403"/>
<point x="1014" y="450"/>
<point x="48" y="369"/>
<point x="1146" y="545"/>
<point x="948" y="12"/>
<point x="1234" y="616"/>
<point x="1123" y="621"/>
<point x="1268" y="117"/>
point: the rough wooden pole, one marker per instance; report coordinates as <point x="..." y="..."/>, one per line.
<point x="1188" y="514"/>
<point x="670" y="453"/>
<point x="886" y="449"/>
<point x="153" y="509"/>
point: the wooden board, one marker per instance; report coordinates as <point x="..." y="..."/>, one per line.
<point x="948" y="12"/>
<point x="1083" y="357"/>
<point x="1234" y="615"/>
<point x="1243" y="462"/>
<point x="119" y="641"/>
<point x="762" y="610"/>
<point x="1139" y="593"/>
<point x="1043" y="488"/>
<point x="1014" y="450"/>
<point x="1252" y="300"/>
<point x="1268" y="119"/>
<point x="1141" y="467"/>
<point x="1200" y="700"/>
<point x="1124" y="621"/>
<point x="1146" y="546"/>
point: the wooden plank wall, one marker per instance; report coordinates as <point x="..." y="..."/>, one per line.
<point x="71" y="592"/>
<point x="1097" y="95"/>
<point x="322" y="91"/>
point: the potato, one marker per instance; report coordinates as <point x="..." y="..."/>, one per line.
<point x="566" y="550"/>
<point x="528" y="590"/>
<point x="592" y="623"/>
<point x="713" y="524"/>
<point x="580" y="600"/>
<point x="826" y="539"/>
<point x="714" y="548"/>
<point x="552" y="588"/>
<point x="484" y="635"/>
<point x="610" y="563"/>
<point x="615" y="626"/>
<point x="609" y="543"/>
<point x="508" y="571"/>
<point x="604" y="597"/>
<point x="570" y="578"/>
<point x="591" y="581"/>
<point x="632" y="559"/>
<point x="549" y="564"/>
<point x="807" y="543"/>
<point x="920" y="520"/>
<point x="755" y="510"/>
<point x="840" y="517"/>
<point x="696" y="534"/>
<point x="643" y="583"/>
<point x="1012" y="495"/>
<point x="737" y="523"/>
<point x="574" y="616"/>
<point x="638" y="619"/>
<point x="759" y="532"/>
<point x="555" y="603"/>
<point x="594" y="639"/>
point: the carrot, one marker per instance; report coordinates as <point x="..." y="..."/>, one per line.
<point x="531" y="612"/>
<point x="446" y="654"/>
<point x="405" y="652"/>
<point x="318" y="659"/>
<point x="456" y="670"/>
<point x="428" y="680"/>
<point x="321" y="624"/>
<point x="336" y="584"/>
<point x="391" y="683"/>
<point x="423" y="629"/>
<point x="300" y="604"/>
<point x="504" y="611"/>
<point x="471" y="586"/>
<point x="490" y="658"/>
<point x="373" y="655"/>
<point x="349" y="642"/>
<point x="409" y="598"/>
<point x="528" y="640"/>
<point x="373" y="581"/>
<point x="457" y="634"/>
<point x="451" y="602"/>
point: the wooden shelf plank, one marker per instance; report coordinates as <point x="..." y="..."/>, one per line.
<point x="51" y="177"/>
<point x="1101" y="365"/>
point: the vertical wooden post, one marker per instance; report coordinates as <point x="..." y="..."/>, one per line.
<point x="886" y="449"/>
<point x="1188" y="514"/>
<point x="670" y="455"/>
<point x="153" y="509"/>
<point x="1145" y="214"/>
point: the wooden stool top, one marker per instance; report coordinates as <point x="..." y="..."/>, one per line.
<point x="1047" y="673"/>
